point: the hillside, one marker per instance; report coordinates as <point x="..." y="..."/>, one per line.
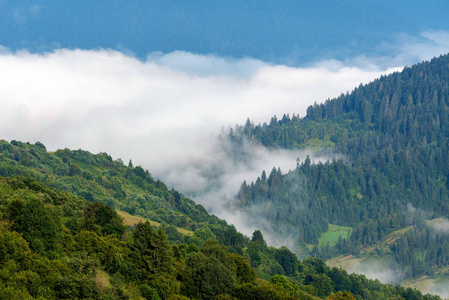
<point x="97" y="177"/>
<point x="393" y="139"/>
<point x="377" y="256"/>
<point x="55" y="245"/>
<point x="58" y="245"/>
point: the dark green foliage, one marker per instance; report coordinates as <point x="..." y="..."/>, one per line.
<point x="148" y="292"/>
<point x="154" y="251"/>
<point x="35" y="223"/>
<point x="209" y="273"/>
<point x="420" y="249"/>
<point x="12" y="246"/>
<point x="258" y="239"/>
<point x="394" y="136"/>
<point x="75" y="287"/>
<point x="89" y="262"/>
<point x="254" y="254"/>
<point x="322" y="285"/>
<point x="252" y="291"/>
<point x="287" y="260"/>
<point x="101" y="215"/>
<point x="243" y="271"/>
<point x="99" y="178"/>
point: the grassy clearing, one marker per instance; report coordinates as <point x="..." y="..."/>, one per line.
<point x="185" y="231"/>
<point x="131" y="220"/>
<point x="332" y="234"/>
<point x="348" y="262"/>
<point x="434" y="284"/>
<point x="316" y="143"/>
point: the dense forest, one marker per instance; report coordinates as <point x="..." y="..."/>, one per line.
<point x="392" y="140"/>
<point x="56" y="245"/>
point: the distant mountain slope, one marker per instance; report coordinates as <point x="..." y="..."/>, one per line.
<point x="393" y="135"/>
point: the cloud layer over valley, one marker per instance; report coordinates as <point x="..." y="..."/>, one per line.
<point x="166" y="113"/>
<point x="155" y="113"/>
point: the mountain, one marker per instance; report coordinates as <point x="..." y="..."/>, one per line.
<point x="389" y="169"/>
<point x="60" y="240"/>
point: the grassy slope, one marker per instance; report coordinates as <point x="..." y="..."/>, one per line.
<point x="332" y="235"/>
<point x="131" y="220"/>
<point x="351" y="263"/>
<point x="345" y="261"/>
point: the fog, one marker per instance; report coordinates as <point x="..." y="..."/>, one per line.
<point x="440" y="225"/>
<point x="436" y="287"/>
<point x="215" y="182"/>
<point x="374" y="268"/>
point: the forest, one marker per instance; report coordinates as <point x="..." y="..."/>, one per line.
<point x="390" y="140"/>
<point x="61" y="237"/>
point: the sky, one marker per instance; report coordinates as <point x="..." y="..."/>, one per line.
<point x="292" y="32"/>
<point x="158" y="81"/>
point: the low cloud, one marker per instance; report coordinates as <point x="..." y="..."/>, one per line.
<point x="166" y="113"/>
<point x="440" y="225"/>
<point x="405" y="51"/>
<point x="215" y="182"/>
<point x="376" y="269"/>
<point x="384" y="275"/>
<point x="157" y="114"/>
<point x="435" y="287"/>
<point x="207" y="65"/>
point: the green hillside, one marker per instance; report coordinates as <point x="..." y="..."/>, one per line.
<point x="56" y="245"/>
<point x="393" y="139"/>
<point x="128" y="188"/>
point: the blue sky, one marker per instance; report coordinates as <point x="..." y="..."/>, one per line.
<point x="290" y="32"/>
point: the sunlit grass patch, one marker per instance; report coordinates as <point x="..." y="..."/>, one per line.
<point x="131" y="220"/>
<point x="332" y="234"/>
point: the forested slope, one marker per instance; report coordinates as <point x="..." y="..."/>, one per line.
<point x="56" y="245"/>
<point x="393" y="137"/>
<point x="97" y="177"/>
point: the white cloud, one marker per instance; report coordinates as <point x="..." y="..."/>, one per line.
<point x="438" y="287"/>
<point x="406" y="50"/>
<point x="156" y="114"/>
<point x="22" y="15"/>
<point x="376" y="269"/>
<point x="206" y="65"/>
<point x="440" y="225"/>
